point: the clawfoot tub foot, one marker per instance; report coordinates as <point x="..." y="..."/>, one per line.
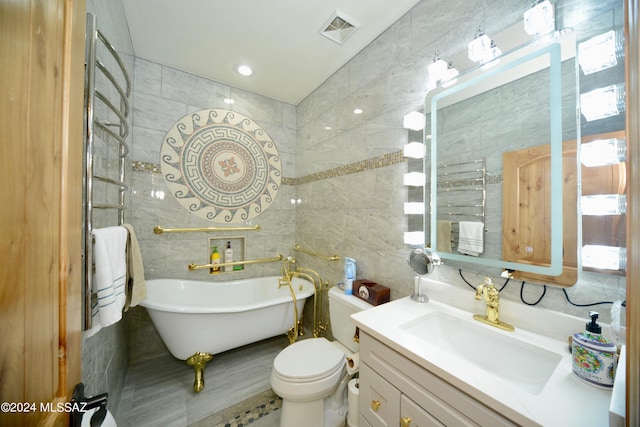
<point x="198" y="361"/>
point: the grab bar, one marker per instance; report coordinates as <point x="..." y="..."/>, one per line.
<point x="225" y="264"/>
<point x="299" y="248"/>
<point x="158" y="229"/>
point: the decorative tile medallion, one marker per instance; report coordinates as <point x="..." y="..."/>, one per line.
<point x="221" y="165"/>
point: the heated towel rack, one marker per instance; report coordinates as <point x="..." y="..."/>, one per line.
<point x="105" y="122"/>
<point x="462" y="193"/>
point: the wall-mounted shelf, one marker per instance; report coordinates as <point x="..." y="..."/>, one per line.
<point x="238" y="244"/>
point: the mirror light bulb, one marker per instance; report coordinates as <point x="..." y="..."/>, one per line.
<point x="604" y="257"/>
<point x="415" y="150"/>
<point x="437" y="70"/>
<point x="414" y="237"/>
<point x="599" y="53"/>
<point x="601" y="152"/>
<point x="603" y="204"/>
<point x="540" y="19"/>
<point x="603" y="102"/>
<point x="479" y="48"/>
<point x="415" y="179"/>
<point x="413" y="208"/>
<point x="414" y="121"/>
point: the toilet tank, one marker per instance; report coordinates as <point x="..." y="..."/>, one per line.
<point x="341" y="307"/>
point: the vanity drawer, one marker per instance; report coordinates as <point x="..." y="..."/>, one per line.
<point x="379" y="400"/>
<point x="383" y="405"/>
<point x="413" y="415"/>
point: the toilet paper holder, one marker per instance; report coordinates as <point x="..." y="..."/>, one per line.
<point x="84" y="404"/>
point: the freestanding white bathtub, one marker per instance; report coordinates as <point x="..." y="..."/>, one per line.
<point x="212" y="317"/>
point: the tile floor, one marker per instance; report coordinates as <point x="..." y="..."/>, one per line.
<point x="271" y="420"/>
<point x="159" y="392"/>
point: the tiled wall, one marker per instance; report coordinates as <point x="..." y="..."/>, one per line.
<point x="360" y="215"/>
<point x="162" y="96"/>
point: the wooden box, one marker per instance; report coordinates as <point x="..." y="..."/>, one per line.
<point x="371" y="292"/>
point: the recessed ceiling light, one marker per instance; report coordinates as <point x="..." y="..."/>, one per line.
<point x="357" y="111"/>
<point x="245" y="70"/>
<point x="229" y="101"/>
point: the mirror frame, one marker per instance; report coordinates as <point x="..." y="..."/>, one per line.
<point x="555" y="55"/>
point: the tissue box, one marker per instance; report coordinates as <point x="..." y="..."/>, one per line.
<point x="371" y="292"/>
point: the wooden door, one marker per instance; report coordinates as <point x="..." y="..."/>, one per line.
<point x="526" y="228"/>
<point x="41" y="90"/>
<point x="526" y="211"/>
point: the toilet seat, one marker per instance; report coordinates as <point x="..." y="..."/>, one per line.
<point x="308" y="360"/>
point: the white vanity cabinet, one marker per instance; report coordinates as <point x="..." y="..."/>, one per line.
<point x="396" y="391"/>
<point x="386" y="406"/>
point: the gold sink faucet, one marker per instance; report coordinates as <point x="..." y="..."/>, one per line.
<point x="492" y="298"/>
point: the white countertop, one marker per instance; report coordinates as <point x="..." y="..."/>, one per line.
<point x="564" y="401"/>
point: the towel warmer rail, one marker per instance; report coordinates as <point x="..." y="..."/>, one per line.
<point x="462" y="193"/>
<point x="116" y="131"/>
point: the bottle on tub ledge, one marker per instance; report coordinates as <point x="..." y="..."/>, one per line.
<point x="215" y="259"/>
<point x="228" y="257"/>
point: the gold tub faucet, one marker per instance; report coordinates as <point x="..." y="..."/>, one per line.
<point x="492" y="298"/>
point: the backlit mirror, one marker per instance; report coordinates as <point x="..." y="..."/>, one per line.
<point x="503" y="174"/>
<point x="500" y="152"/>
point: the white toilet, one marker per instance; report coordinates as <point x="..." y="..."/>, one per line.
<point x="311" y="376"/>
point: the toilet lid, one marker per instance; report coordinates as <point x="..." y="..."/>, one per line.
<point x="308" y="360"/>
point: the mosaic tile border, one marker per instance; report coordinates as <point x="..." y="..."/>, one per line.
<point x="248" y="417"/>
<point x="364" y="165"/>
<point x="138" y="166"/>
<point x="382" y="161"/>
<point x="361" y="166"/>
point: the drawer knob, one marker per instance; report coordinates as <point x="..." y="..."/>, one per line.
<point x="405" y="421"/>
<point x="375" y="405"/>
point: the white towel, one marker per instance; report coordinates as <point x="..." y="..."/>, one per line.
<point x="109" y="279"/>
<point x="443" y="234"/>
<point x="471" y="238"/>
<point x="136" y="289"/>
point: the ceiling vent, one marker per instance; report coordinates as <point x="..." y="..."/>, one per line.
<point x="339" y="27"/>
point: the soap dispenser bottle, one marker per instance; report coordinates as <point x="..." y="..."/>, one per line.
<point x="228" y="257"/>
<point x="594" y="358"/>
<point x="215" y="260"/>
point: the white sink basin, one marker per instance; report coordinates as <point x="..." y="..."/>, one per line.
<point x="497" y="352"/>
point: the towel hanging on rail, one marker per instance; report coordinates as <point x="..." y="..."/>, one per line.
<point x="109" y="281"/>
<point x="136" y="289"/>
<point x="471" y="238"/>
<point x="444" y="236"/>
